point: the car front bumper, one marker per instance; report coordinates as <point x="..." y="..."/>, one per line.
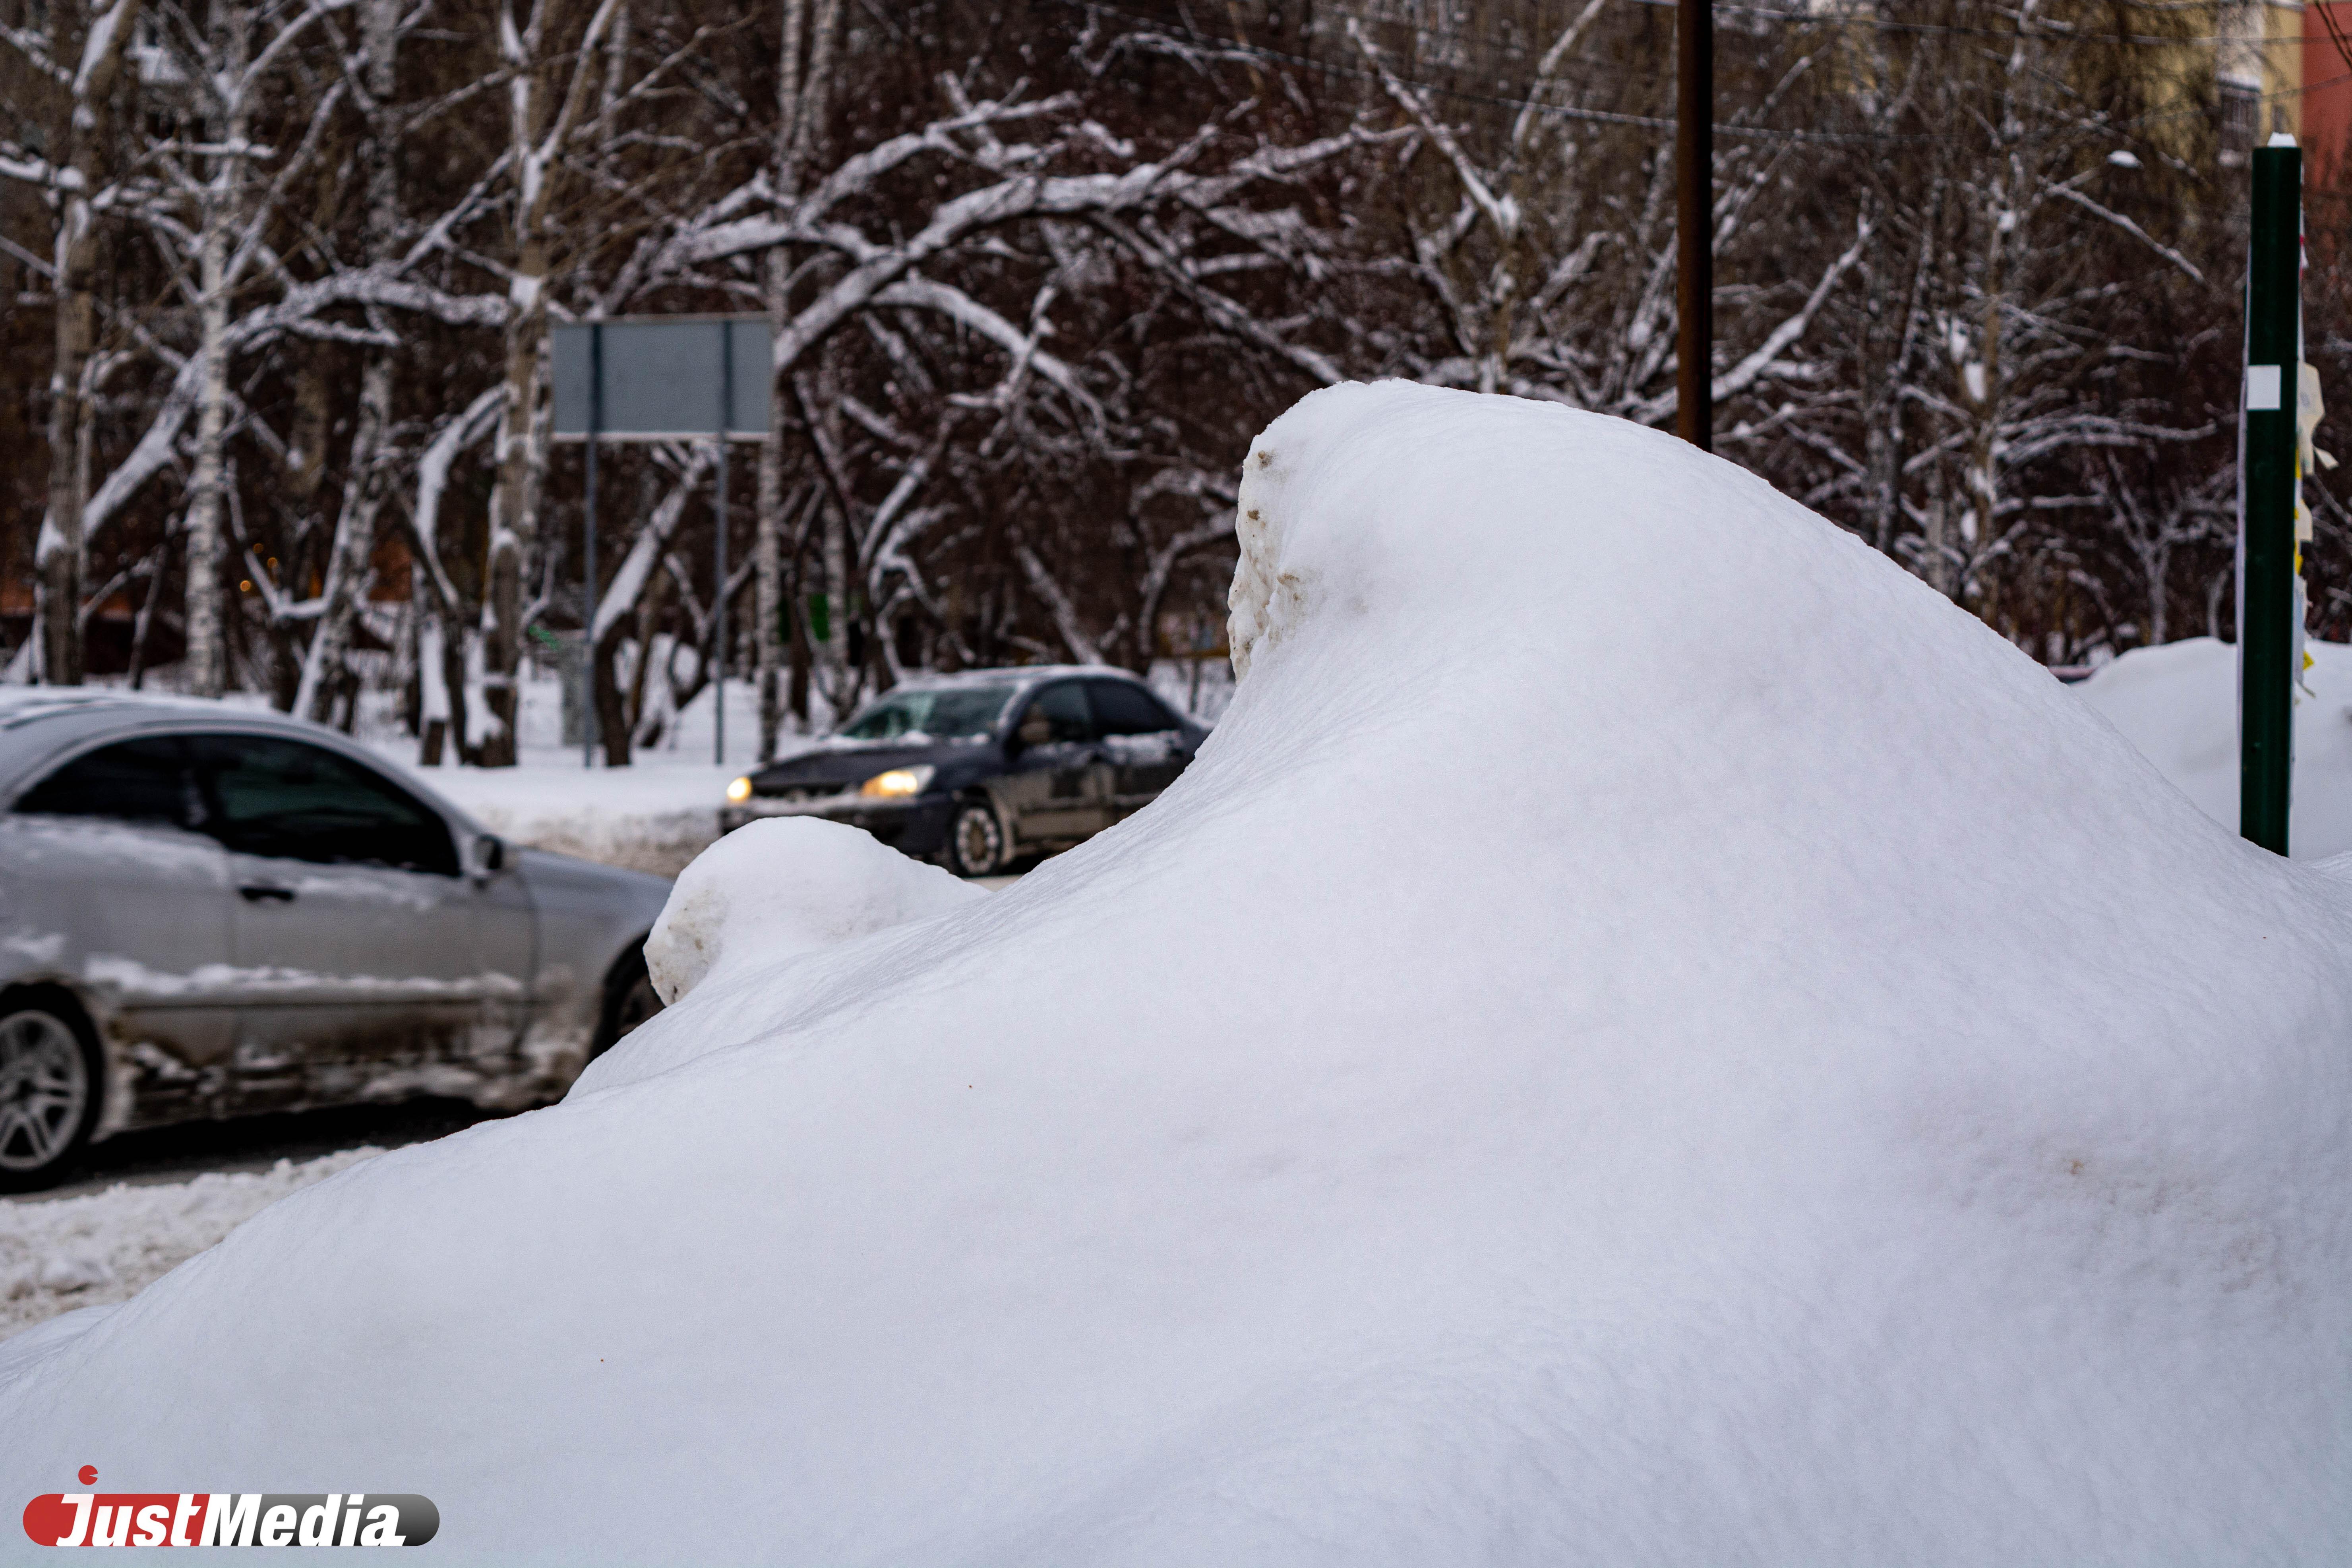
<point x="917" y="826"/>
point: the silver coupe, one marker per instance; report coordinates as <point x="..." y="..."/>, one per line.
<point x="210" y="912"/>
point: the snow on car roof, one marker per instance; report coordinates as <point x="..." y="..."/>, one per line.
<point x="22" y="705"/>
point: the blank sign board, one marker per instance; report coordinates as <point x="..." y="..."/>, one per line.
<point x="664" y="378"/>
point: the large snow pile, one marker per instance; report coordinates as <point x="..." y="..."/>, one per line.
<point x="58" y="1254"/>
<point x="1645" y="1036"/>
<point x="2178" y="704"/>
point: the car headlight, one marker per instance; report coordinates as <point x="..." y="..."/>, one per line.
<point x="898" y="784"/>
<point x="739" y="792"/>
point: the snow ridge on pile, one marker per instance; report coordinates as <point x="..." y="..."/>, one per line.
<point x="783" y="886"/>
<point x="1646" y="1035"/>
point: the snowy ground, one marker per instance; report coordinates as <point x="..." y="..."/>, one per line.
<point x="655" y="815"/>
<point x="59" y="1253"/>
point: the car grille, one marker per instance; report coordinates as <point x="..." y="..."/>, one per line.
<point x="794" y="794"/>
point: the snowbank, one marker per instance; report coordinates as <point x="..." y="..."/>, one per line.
<point x="1645" y="1036"/>
<point x="655" y="815"/>
<point x="2178" y="704"/>
<point x="64" y="1253"/>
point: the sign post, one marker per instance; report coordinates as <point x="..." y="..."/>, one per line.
<point x="590" y="722"/>
<point x="2268" y="600"/>
<point x="1695" y="224"/>
<point x="663" y="378"/>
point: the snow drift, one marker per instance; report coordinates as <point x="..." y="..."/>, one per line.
<point x="1645" y="1036"/>
<point x="2178" y="704"/>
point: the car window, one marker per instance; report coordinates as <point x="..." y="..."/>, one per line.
<point x="1122" y="707"/>
<point x="292" y="801"/>
<point x="940" y="712"/>
<point x="1064" y="704"/>
<point x="145" y="780"/>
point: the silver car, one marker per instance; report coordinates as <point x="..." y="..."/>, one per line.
<point x="207" y="911"/>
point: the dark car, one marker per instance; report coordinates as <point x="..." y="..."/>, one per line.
<point x="979" y="769"/>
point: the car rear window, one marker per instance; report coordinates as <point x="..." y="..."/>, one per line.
<point x="1123" y="709"/>
<point x="938" y="713"/>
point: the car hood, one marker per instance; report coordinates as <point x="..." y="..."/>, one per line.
<point x="566" y="882"/>
<point x="854" y="762"/>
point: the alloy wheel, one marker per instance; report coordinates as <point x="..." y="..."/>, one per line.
<point x="979" y="841"/>
<point x="44" y="1090"/>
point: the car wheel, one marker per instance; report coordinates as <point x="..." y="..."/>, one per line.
<point x="49" y="1083"/>
<point x="976" y="845"/>
<point x="629" y="1000"/>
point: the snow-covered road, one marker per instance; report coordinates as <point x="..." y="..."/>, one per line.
<point x="59" y="1253"/>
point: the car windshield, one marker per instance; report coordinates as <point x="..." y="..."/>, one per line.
<point x="940" y="712"/>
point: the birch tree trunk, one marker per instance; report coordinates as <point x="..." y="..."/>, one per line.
<point x="369" y="470"/>
<point x="59" y="554"/>
<point x="801" y="107"/>
<point x="540" y="122"/>
<point x="207" y="665"/>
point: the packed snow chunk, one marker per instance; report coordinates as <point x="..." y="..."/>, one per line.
<point x="2178" y="704"/>
<point x="1645" y="1036"/>
<point x="787" y="885"/>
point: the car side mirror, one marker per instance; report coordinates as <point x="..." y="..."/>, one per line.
<point x="1035" y="730"/>
<point x="489" y="855"/>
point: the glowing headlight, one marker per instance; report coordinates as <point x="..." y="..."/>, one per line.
<point x="898" y="784"/>
<point x="739" y="792"/>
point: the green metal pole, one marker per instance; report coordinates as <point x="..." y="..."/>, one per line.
<point x="2266" y="499"/>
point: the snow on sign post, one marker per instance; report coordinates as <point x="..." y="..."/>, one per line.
<point x="2269" y="586"/>
<point x="663" y="378"/>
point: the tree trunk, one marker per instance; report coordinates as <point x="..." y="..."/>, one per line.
<point x="369" y="470"/>
<point x="83" y="139"/>
<point x="797" y="693"/>
<point x="611" y="710"/>
<point x="207" y="655"/>
<point x="835" y="662"/>
<point x="767" y="540"/>
<point x="510" y="522"/>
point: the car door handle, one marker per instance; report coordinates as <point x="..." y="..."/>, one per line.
<point x="262" y="892"/>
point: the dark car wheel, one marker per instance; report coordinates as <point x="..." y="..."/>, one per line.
<point x="49" y="1083"/>
<point x="629" y="1000"/>
<point x="976" y="845"/>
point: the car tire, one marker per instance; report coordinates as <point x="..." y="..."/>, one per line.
<point x="976" y="840"/>
<point x="629" y="1000"/>
<point x="51" y="1081"/>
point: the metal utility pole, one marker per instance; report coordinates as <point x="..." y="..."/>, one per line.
<point x="589" y="726"/>
<point x="1695" y="223"/>
<point x="718" y="591"/>
<point x="2267" y="607"/>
